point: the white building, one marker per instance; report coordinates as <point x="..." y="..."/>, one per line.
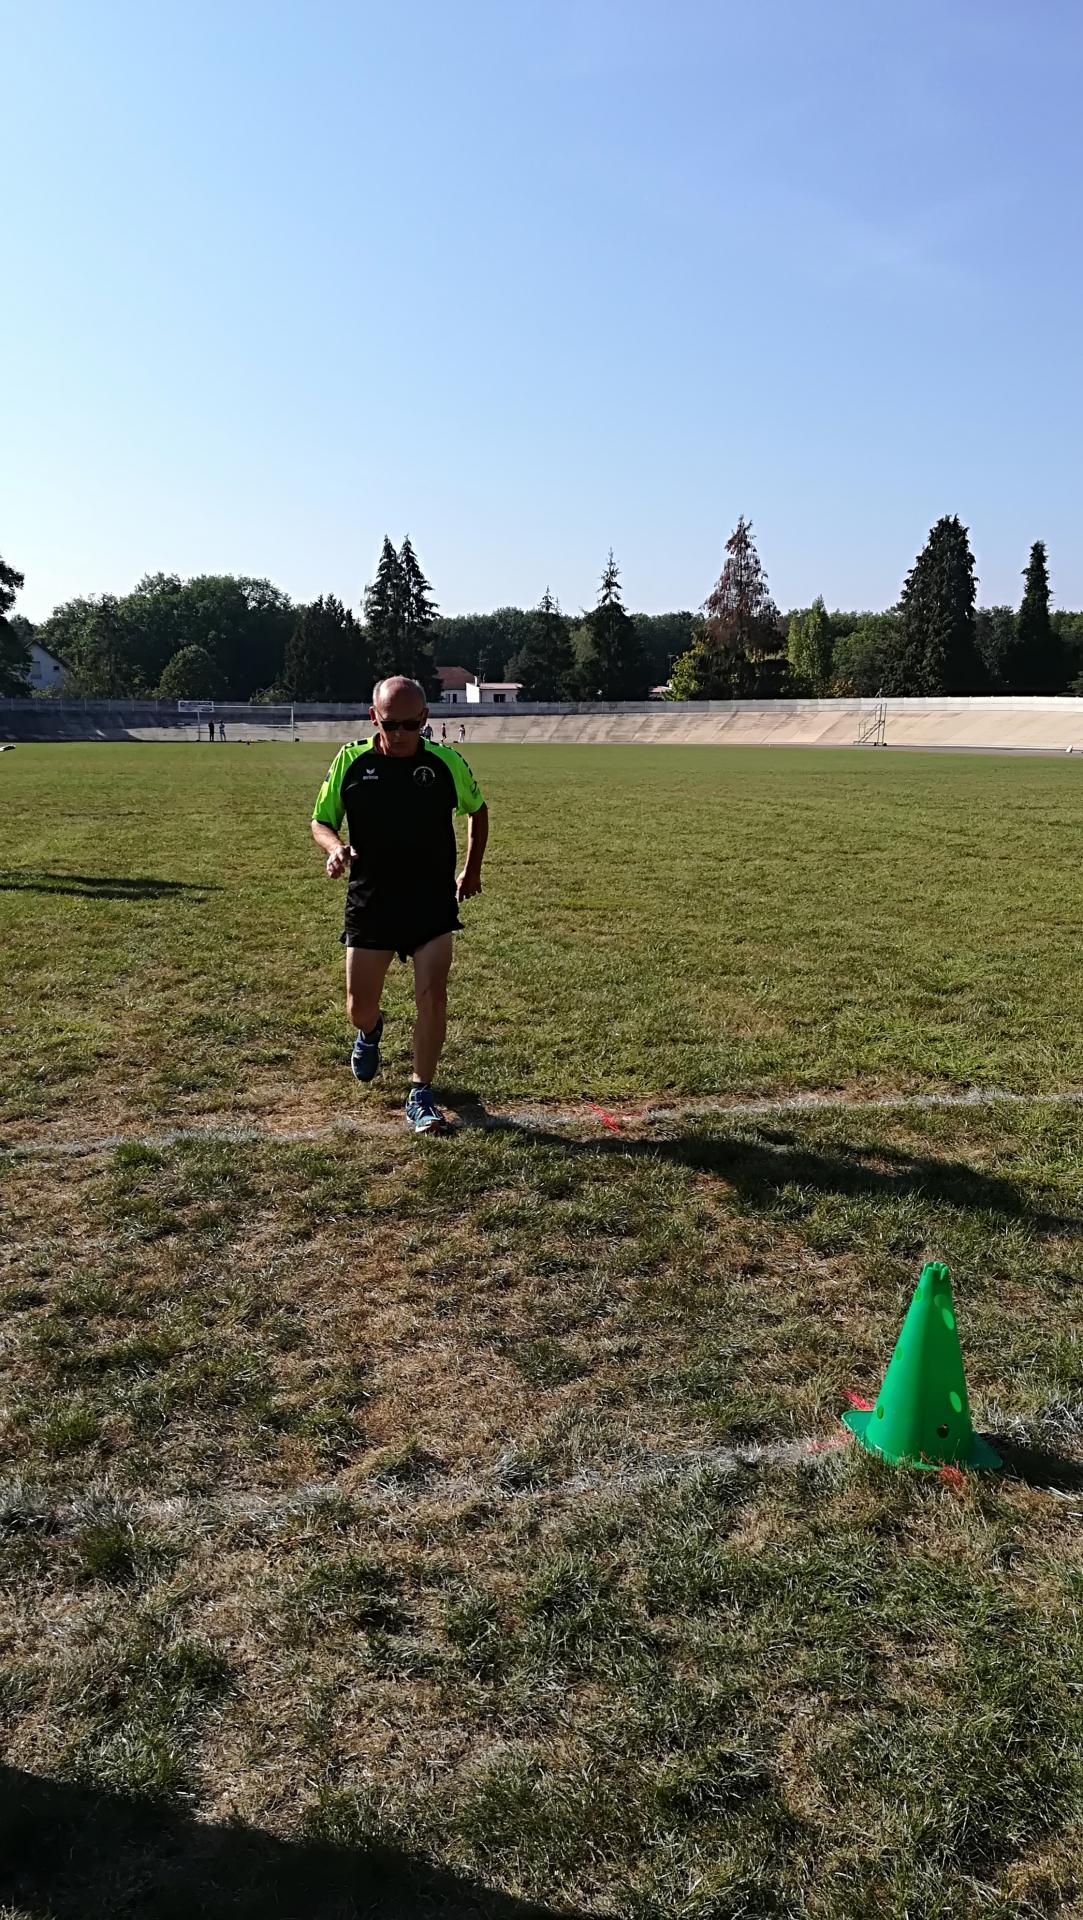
<point x="453" y="684"/>
<point x="502" y="693"/>
<point x="46" y="669"/>
<point x="459" y="688"/>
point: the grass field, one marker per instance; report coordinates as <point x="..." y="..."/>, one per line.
<point x="463" y="1527"/>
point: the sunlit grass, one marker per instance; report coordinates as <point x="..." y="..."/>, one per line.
<point x="655" y="919"/>
<point x="365" y="1493"/>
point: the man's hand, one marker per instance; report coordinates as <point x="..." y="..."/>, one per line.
<point x="468" y="884"/>
<point x="338" y="860"/>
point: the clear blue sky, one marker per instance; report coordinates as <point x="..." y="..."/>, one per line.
<point x="530" y="278"/>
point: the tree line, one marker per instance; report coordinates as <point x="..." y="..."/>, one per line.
<point x="227" y="637"/>
<point x="936" y="640"/>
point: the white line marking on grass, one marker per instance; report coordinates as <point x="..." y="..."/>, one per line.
<point x="382" y="1496"/>
<point x="538" y="1118"/>
<point x="497" y="1487"/>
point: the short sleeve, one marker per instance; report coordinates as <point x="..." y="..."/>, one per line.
<point x="330" y="806"/>
<point x="468" y="795"/>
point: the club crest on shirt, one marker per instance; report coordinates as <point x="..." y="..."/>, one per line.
<point x="424" y="775"/>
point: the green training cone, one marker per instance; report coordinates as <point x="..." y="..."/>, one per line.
<point x="921" y="1417"/>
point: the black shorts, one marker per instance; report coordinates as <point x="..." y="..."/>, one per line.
<point x="397" y="930"/>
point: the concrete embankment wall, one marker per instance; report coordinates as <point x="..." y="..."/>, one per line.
<point x="1037" y="725"/>
<point x="1006" y="723"/>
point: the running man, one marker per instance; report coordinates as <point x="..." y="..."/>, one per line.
<point x="398" y="793"/>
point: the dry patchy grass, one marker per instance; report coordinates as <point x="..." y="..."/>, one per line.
<point x="344" y="1504"/>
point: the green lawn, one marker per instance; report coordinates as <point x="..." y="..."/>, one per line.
<point x="655" y="920"/>
<point x="437" y="1528"/>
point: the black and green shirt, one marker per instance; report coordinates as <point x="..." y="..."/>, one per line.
<point x="400" y="818"/>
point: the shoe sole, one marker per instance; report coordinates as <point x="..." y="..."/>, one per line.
<point x="431" y="1126"/>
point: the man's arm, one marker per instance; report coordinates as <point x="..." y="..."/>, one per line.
<point x="477" y="839"/>
<point x="338" y="856"/>
<point x="329" y="811"/>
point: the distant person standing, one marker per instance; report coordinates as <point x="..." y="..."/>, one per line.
<point x="210" y="729"/>
<point x="462" y="732"/>
<point x="221" y="729"/>
<point x="443" y="733"/>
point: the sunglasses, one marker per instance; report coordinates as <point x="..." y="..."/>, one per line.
<point x="399" y="726"/>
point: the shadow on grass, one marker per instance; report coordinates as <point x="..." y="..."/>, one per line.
<point x="69" y="1853"/>
<point x="1036" y="1466"/>
<point x="87" y="886"/>
<point x="759" y="1168"/>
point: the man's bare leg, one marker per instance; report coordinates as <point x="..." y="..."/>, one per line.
<point x="432" y="964"/>
<point x="366" y="970"/>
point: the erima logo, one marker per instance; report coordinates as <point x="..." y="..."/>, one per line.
<point x="371" y="773"/>
<point x="424" y="774"/>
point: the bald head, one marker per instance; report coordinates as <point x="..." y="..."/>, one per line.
<point x="399" y="709"/>
<point x="387" y="690"/>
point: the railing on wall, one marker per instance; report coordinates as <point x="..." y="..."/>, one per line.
<point x="873" y="733"/>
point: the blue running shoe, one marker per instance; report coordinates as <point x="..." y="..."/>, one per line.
<point x="365" y="1058"/>
<point x="422" y="1112"/>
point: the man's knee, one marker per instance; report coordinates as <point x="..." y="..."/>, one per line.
<point x="362" y="1008"/>
<point x="431" y="993"/>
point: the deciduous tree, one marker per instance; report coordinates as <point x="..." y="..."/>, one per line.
<point x="809" y="648"/>
<point x="863" y="655"/>
<point x="14" y="649"/>
<point x="327" y="658"/>
<point x="994" y="637"/>
<point x="192" y="674"/>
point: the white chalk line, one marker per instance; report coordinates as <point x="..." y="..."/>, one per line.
<point x="22" y="1506"/>
<point x="536" y="1119"/>
<point x="498" y="1485"/>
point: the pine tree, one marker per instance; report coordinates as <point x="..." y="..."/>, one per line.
<point x="1035" y="662"/>
<point x="810" y="646"/>
<point x="326" y="656"/>
<point x="545" y="665"/>
<point x="385" y="614"/>
<point x="738" y="651"/>
<point x="936" y="651"/>
<point x="417" y="645"/>
<point x="614" y="665"/>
